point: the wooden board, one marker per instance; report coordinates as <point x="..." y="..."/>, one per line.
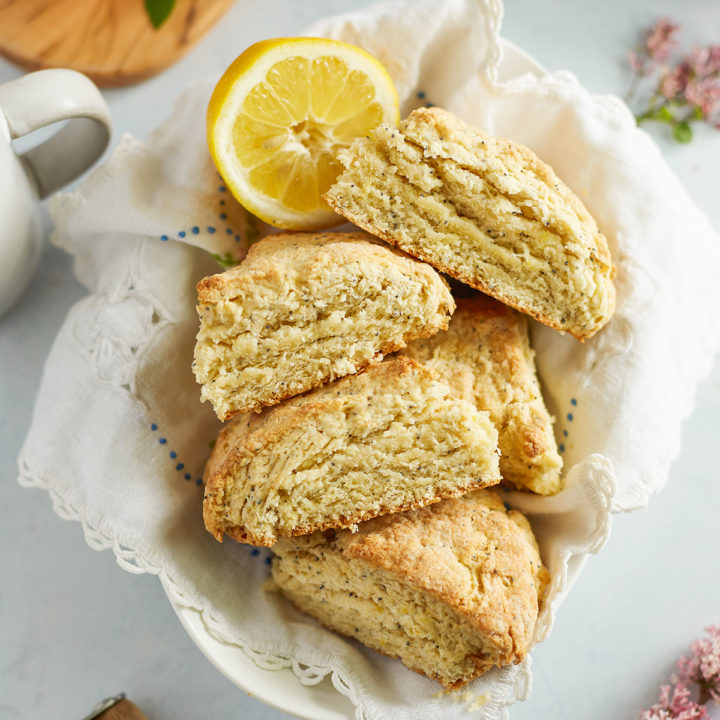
<point x="124" y="710"/>
<point x="112" y="41"/>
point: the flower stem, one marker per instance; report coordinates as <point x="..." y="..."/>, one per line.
<point x="630" y="94"/>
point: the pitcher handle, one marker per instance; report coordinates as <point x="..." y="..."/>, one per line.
<point x="41" y="98"/>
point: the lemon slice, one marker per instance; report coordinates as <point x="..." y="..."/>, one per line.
<point x="279" y="116"/>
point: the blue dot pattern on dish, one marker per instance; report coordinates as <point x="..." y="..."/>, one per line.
<point x="254" y="552"/>
<point x="164" y="238"/>
<point x="174" y="456"/>
<point x="570" y="417"/>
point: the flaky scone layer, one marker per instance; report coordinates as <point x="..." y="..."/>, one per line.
<point x="302" y="310"/>
<point x="452" y="589"/>
<point x="388" y="439"/>
<point x="484" y="210"/>
<point x="486" y="358"/>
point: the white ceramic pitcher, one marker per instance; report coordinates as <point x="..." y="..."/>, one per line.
<point x="29" y="103"/>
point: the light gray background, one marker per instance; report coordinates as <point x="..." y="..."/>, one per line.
<point x="75" y="628"/>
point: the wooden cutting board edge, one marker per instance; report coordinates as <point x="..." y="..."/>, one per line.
<point x="101" y="79"/>
<point x="117" y="78"/>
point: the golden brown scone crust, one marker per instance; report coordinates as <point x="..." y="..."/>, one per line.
<point x="304" y="309"/>
<point x="485" y="356"/>
<point x="509" y="174"/>
<point x="257" y="452"/>
<point x="471" y="553"/>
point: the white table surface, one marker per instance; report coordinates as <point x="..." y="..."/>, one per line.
<point x="75" y="628"/>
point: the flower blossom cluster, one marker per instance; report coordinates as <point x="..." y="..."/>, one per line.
<point x="702" y="669"/>
<point x="703" y="666"/>
<point x="686" y="90"/>
<point x="675" y="704"/>
<point x="659" y="42"/>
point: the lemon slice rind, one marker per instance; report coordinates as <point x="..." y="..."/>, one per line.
<point x="227" y="104"/>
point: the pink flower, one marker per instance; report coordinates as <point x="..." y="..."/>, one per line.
<point x="675" y="706"/>
<point x="704" y="94"/>
<point x="674" y="82"/>
<point x="705" y="61"/>
<point x="686" y="90"/>
<point x="703" y="665"/>
<point x="661" y="39"/>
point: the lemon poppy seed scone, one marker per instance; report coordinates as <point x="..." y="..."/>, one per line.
<point x="484" y="210"/>
<point x="452" y="590"/>
<point x="485" y="356"/>
<point x="302" y="310"/>
<point x="388" y="439"/>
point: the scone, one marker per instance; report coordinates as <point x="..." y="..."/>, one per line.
<point x="388" y="439"/>
<point x="485" y="356"/>
<point x="302" y="310"/>
<point x="484" y="210"/>
<point x="452" y="590"/>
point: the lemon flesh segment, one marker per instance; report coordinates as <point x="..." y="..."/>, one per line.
<point x="281" y="113"/>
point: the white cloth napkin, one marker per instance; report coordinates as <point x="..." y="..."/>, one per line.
<point x="119" y="437"/>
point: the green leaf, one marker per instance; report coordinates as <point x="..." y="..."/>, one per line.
<point x="158" y="11"/>
<point x="664" y="114"/>
<point x="697" y="113"/>
<point x="682" y="132"/>
<point x="226" y="260"/>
